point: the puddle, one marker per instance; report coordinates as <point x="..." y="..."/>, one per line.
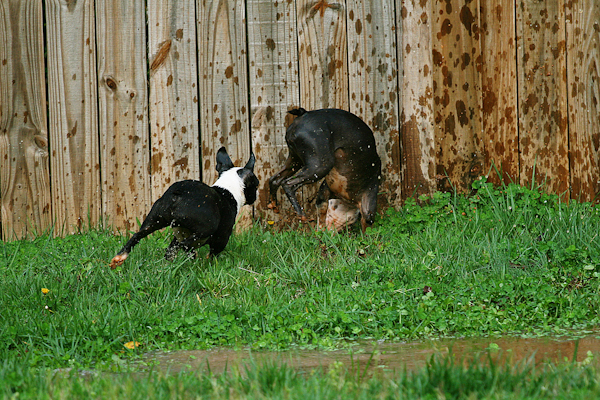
<point x="384" y="356"/>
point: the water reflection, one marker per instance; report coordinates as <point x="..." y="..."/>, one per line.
<point x="384" y="356"/>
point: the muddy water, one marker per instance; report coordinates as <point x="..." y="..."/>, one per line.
<point x="384" y="356"/>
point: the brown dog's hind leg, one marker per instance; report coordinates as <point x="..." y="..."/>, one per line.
<point x="289" y="169"/>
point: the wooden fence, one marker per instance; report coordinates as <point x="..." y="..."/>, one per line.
<point x="105" y="103"/>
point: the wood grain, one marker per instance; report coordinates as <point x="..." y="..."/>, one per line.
<point x="274" y="88"/>
<point x="417" y="152"/>
<point x="499" y="91"/>
<point x="224" y="105"/>
<point x="25" y="198"/>
<point x="583" y="66"/>
<point x="456" y="53"/>
<point x="73" y="115"/>
<point x="123" y="112"/>
<point x="373" y="84"/>
<point x="322" y="54"/>
<point x="541" y="54"/>
<point x="174" y="117"/>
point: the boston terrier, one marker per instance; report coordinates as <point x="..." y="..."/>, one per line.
<point x="199" y="214"/>
<point x="338" y="146"/>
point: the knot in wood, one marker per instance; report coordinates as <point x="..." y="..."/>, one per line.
<point x="110" y="83"/>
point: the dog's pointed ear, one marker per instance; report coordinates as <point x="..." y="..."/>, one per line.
<point x="251" y="162"/>
<point x="223" y="161"/>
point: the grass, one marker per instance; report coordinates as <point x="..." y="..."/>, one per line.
<point x="500" y="261"/>
<point x="441" y="378"/>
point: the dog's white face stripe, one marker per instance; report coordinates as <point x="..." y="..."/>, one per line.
<point x="231" y="181"/>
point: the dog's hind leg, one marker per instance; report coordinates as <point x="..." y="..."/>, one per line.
<point x="153" y="222"/>
<point x="323" y="194"/>
<point x="310" y="173"/>
<point x="290" y="167"/>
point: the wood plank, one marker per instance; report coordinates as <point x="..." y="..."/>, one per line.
<point x="417" y="147"/>
<point x="73" y="116"/>
<point x="323" y="69"/>
<point x="456" y="52"/>
<point x="373" y="85"/>
<point x="583" y="66"/>
<point x="223" y="83"/>
<point x="322" y="53"/>
<point x="543" y="139"/>
<point x="25" y="199"/>
<point x="123" y="111"/>
<point x="274" y="88"/>
<point x="173" y="74"/>
<point x="499" y="91"/>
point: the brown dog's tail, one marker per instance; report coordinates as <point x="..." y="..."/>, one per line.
<point x="297" y="111"/>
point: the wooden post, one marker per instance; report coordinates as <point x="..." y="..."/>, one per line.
<point x="174" y="120"/>
<point x="123" y="107"/>
<point x="25" y="199"/>
<point x="457" y="62"/>
<point x="499" y="91"/>
<point x="583" y="66"/>
<point x="416" y="97"/>
<point x="73" y="112"/>
<point x="223" y="83"/>
<point x="322" y="52"/>
<point x="274" y="88"/>
<point x="373" y="73"/>
<point x="541" y="54"/>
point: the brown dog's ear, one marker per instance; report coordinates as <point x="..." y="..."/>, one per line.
<point x="223" y="161"/>
<point x="251" y="162"/>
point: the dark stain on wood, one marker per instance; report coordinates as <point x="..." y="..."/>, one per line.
<point x="161" y="55"/>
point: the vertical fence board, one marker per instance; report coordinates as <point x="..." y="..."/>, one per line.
<point x="73" y="114"/>
<point x="174" y="125"/>
<point x="373" y="74"/>
<point x="273" y="73"/>
<point x="323" y="67"/>
<point x="457" y="60"/>
<point x="24" y="171"/>
<point x="583" y="66"/>
<point x="499" y="91"/>
<point x="416" y="101"/>
<point x="123" y="111"/>
<point x="542" y="93"/>
<point x="322" y="52"/>
<point x="223" y="82"/>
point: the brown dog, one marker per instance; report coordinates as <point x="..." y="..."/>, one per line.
<point x="338" y="146"/>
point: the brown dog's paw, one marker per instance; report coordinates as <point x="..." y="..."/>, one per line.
<point x="117" y="260"/>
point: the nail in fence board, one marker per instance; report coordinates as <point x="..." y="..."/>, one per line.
<point x="73" y="116"/>
<point x="174" y="120"/>
<point x="24" y="169"/>
<point x="123" y="112"/>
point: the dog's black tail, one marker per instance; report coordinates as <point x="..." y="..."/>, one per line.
<point x="297" y="111"/>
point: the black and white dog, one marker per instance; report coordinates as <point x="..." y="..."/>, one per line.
<point x="199" y="214"/>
